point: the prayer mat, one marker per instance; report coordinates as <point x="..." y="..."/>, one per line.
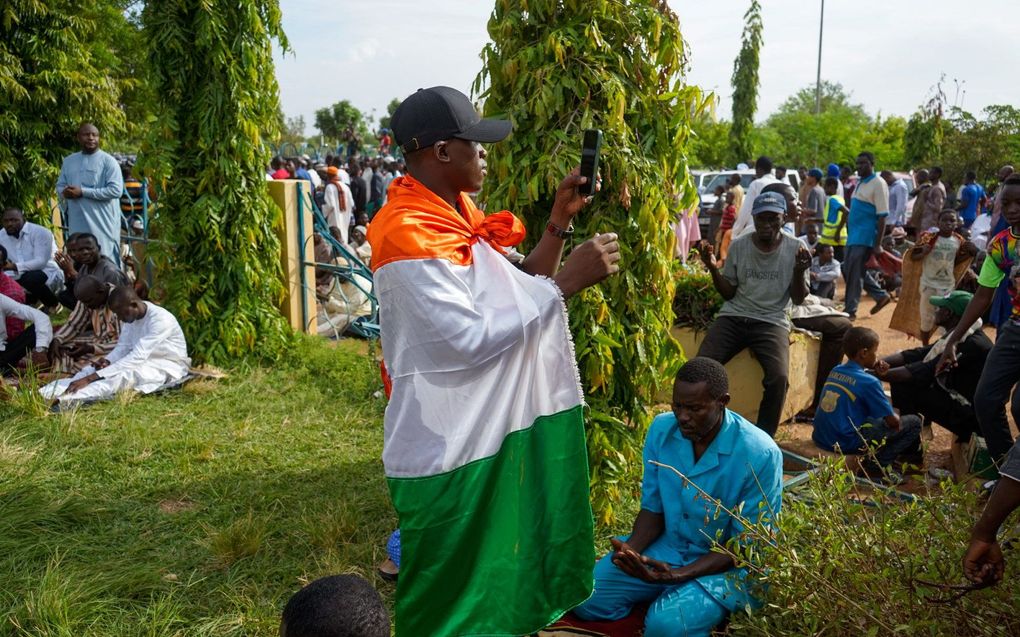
<point x="569" y="625"/>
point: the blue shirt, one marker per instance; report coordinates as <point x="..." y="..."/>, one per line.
<point x="970" y="197"/>
<point x="870" y="201"/>
<point x="739" y="466"/>
<point x="301" y="173"/>
<point x="97" y="211"/>
<point x="850" y="398"/>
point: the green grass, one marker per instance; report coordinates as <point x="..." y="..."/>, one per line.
<point x="198" y="512"/>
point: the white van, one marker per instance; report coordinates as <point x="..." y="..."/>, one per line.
<point x="721" y="179"/>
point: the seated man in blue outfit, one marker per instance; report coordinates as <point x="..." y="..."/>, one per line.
<point x="668" y="559"/>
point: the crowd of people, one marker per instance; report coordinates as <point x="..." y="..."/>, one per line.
<point x="348" y="190"/>
<point x="113" y="338"/>
<point x="485" y="406"/>
<point x="461" y="312"/>
<point x="958" y="247"/>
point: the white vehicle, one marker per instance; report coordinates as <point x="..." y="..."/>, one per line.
<point x="721" y="179"/>
<point x="701" y="178"/>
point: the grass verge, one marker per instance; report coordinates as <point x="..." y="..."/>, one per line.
<point x="197" y="512"/>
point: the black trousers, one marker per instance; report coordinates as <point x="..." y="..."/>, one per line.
<point x="16" y="349"/>
<point x="34" y="283"/>
<point x="832" y="329"/>
<point x="935" y="404"/>
<point x="1001" y="373"/>
<point x="770" y="344"/>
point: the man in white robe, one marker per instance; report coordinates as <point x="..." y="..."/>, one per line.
<point x="150" y="353"/>
<point x="339" y="206"/>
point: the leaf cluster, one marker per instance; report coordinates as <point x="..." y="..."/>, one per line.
<point x="342" y="120"/>
<point x="846" y="561"/>
<point x="839" y="130"/>
<point x="696" y="301"/>
<point x="219" y="258"/>
<point x="59" y="66"/>
<point x="555" y="68"/>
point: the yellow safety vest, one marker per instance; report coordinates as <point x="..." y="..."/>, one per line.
<point x="830" y="222"/>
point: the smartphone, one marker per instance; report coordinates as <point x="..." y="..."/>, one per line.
<point x="590" y="160"/>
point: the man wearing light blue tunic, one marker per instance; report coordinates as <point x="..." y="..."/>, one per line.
<point x="91" y="184"/>
<point x="668" y="560"/>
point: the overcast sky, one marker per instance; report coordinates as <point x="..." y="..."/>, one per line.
<point x="885" y="53"/>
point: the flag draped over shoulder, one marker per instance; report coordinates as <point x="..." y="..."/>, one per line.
<point x="484" y="445"/>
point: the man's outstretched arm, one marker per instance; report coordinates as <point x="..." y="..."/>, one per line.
<point x="983" y="562"/>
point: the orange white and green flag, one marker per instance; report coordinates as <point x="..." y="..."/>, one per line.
<point x="484" y="445"/>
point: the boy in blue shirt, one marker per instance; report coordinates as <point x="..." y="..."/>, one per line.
<point x="854" y="413"/>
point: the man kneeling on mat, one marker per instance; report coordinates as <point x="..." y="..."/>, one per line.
<point x="668" y="558"/>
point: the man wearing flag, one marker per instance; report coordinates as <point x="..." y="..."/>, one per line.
<point x="484" y="441"/>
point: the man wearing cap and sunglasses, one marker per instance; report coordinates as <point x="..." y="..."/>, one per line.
<point x="484" y="446"/>
<point x="763" y="271"/>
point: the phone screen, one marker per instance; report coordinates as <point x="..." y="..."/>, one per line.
<point x="590" y="150"/>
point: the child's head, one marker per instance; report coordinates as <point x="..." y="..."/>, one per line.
<point x="730" y="197"/>
<point x="812" y="232"/>
<point x="947" y="222"/>
<point x="336" y="606"/>
<point x="861" y="346"/>
<point x="719" y="190"/>
<point x="831" y="186"/>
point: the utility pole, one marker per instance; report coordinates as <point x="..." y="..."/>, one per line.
<point x="818" y="77"/>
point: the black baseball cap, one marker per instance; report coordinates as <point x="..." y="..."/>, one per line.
<point x="433" y="114"/>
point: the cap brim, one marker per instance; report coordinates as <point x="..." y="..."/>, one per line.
<point x="759" y="211"/>
<point x="487" y="131"/>
<point x="939" y="301"/>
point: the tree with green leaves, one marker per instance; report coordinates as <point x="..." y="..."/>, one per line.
<point x="337" y="121"/>
<point x="56" y="71"/>
<point x="834" y="134"/>
<point x="219" y="256"/>
<point x="709" y="147"/>
<point x="922" y="139"/>
<point x="384" y="121"/>
<point x="982" y="143"/>
<point x="839" y="131"/>
<point x="745" y="85"/>
<point x="630" y="86"/>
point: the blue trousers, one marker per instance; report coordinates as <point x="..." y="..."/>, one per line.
<point x="685" y="610"/>
<point x="854" y="276"/>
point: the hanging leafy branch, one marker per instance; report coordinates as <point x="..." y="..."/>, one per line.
<point x="555" y="68"/>
<point x="745" y="85"/>
<point x="220" y="259"/>
<point x="53" y="76"/>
